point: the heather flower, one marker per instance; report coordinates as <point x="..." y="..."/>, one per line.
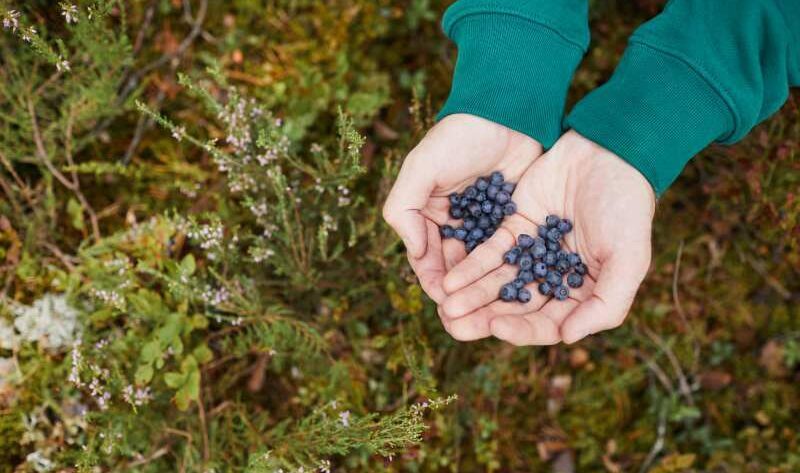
<point x="179" y="132"/>
<point x="344" y="418"/>
<point x="62" y="65"/>
<point x="28" y="34"/>
<point x="50" y="321"/>
<point x="70" y="12"/>
<point x="11" y="20"/>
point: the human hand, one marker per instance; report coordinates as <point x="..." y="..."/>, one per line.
<point x="453" y="154"/>
<point x="611" y="205"/>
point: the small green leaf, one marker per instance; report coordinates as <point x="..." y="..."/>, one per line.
<point x="75" y="212"/>
<point x="144" y="374"/>
<point x="174" y="380"/>
<point x="150" y="351"/>
<point x="203" y="354"/>
<point x="188" y="265"/>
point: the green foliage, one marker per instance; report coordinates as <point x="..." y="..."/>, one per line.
<point x="194" y="275"/>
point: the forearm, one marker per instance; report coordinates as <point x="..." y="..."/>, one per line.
<point x="701" y="72"/>
<point x="515" y="61"/>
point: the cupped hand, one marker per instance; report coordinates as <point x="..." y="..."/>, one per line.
<point x="453" y="154"/>
<point x="611" y="206"/>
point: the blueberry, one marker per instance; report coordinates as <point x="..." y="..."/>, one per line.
<point x="539" y="241"/>
<point x="482" y="183"/>
<point x="491" y="192"/>
<point x="484" y="222"/>
<point x="581" y="269"/>
<point x="460" y="233"/>
<point x="545" y="289"/>
<point x="561" y="292"/>
<point x="553" y="246"/>
<point x="464" y="202"/>
<point x="539" y="270"/>
<point x="475" y="234"/>
<point x="538" y="251"/>
<point x="553" y="234"/>
<point x="554" y="278"/>
<point x="486" y="207"/>
<point x="562" y="265"/>
<point x="518" y="283"/>
<point x="502" y="197"/>
<point x="471" y="245"/>
<point x="470" y="223"/>
<point x="549" y="258"/>
<point x="524" y="295"/>
<point x="561" y="254"/>
<point x="564" y="226"/>
<point x="496" y="221"/>
<point x="455" y="198"/>
<point x="525" y="261"/>
<point x="497" y="212"/>
<point x="512" y="256"/>
<point x="497" y="178"/>
<point x="456" y="212"/>
<point x="510" y="209"/>
<point x="526" y="275"/>
<point x="489" y="231"/>
<point x="508" y="292"/>
<point x="509" y="187"/>
<point x="447" y="231"/>
<point x="524" y="240"/>
<point x="542" y="231"/>
<point x="574" y="280"/>
<point x="574" y="259"/>
<point x="552" y="221"/>
<point x="481" y="197"/>
<point x="471" y="192"/>
<point x="475" y="209"/>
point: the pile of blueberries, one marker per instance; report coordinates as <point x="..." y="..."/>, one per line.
<point x="482" y="207"/>
<point x="542" y="259"/>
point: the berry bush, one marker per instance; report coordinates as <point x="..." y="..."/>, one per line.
<point x="194" y="274"/>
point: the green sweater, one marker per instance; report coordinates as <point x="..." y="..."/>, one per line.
<point x="702" y="71"/>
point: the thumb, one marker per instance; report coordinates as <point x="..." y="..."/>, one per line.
<point x="402" y="210"/>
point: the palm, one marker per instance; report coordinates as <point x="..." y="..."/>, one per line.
<point x="611" y="206"/>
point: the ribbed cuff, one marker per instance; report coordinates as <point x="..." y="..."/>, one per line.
<point x="513" y="71"/>
<point x="656" y="112"/>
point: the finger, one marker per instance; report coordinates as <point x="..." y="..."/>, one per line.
<point x="430" y="268"/>
<point x="487" y="257"/>
<point x="467" y="329"/>
<point x="617" y="282"/>
<point x="521" y="331"/>
<point x="479" y="293"/>
<point x="454" y="252"/>
<point x="402" y="208"/>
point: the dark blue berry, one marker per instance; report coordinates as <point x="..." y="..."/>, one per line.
<point x="489" y="231"/>
<point x="581" y="269"/>
<point x="524" y="240"/>
<point x="497" y="178"/>
<point x="497" y="212"/>
<point x="502" y="197"/>
<point x="508" y="292"/>
<point x="545" y="289"/>
<point x="486" y="207"/>
<point x="471" y="245"/>
<point x="509" y="187"/>
<point x="510" y="209"/>
<point x="539" y="270"/>
<point x="574" y="280"/>
<point x="524" y="295"/>
<point x="447" y="231"/>
<point x="461" y="233"/>
<point x="574" y="259"/>
<point x="525" y="261"/>
<point x="550" y="258"/>
<point x="481" y="197"/>
<point x="512" y="256"/>
<point x="562" y="265"/>
<point x="475" y="234"/>
<point x="491" y="192"/>
<point x="518" y="283"/>
<point x="542" y="232"/>
<point x="553" y="246"/>
<point x="538" y="251"/>
<point x="552" y="221"/>
<point x="471" y="192"/>
<point x="539" y="241"/>
<point x="561" y="292"/>
<point x="475" y="209"/>
<point x="561" y="254"/>
<point x="484" y="222"/>
<point x="456" y="212"/>
<point x="470" y="223"/>
<point x="526" y="275"/>
<point x="564" y="226"/>
<point x="553" y="277"/>
<point x="482" y="183"/>
<point x="553" y="234"/>
<point x="455" y="198"/>
<point x="465" y="201"/>
<point x="495" y="220"/>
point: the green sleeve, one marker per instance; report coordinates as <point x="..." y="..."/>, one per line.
<point x="702" y="71"/>
<point x="515" y="61"/>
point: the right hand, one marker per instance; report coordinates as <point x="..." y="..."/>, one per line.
<point x="453" y="154"/>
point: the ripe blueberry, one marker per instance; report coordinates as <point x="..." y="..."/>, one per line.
<point x="508" y="292"/>
<point x="574" y="259"/>
<point x="497" y="178"/>
<point x="553" y="234"/>
<point x="489" y="232"/>
<point x="564" y="226"/>
<point x="471" y="245"/>
<point x="538" y="251"/>
<point x="518" y="283"/>
<point x="481" y="197"/>
<point x="471" y="192"/>
<point x="525" y="261"/>
<point x="475" y="234"/>
<point x="561" y="292"/>
<point x="552" y="221"/>
<point x="491" y="192"/>
<point x="574" y="280"/>
<point x="447" y="231"/>
<point x="526" y="275"/>
<point x="545" y="289"/>
<point x="461" y="233"/>
<point x="549" y="258"/>
<point x="465" y="201"/>
<point x="539" y="270"/>
<point x="554" y="278"/>
<point x="484" y="222"/>
<point x="475" y="209"/>
<point x="482" y="183"/>
<point x="455" y="198"/>
<point x="497" y="212"/>
<point x="510" y="209"/>
<point x="456" y="212"/>
<point x="542" y="232"/>
<point x="509" y="187"/>
<point x="486" y="207"/>
<point x="524" y="295"/>
<point x="525" y="240"/>
<point x="512" y="255"/>
<point x="470" y="223"/>
<point x="562" y="265"/>
<point x="502" y="197"/>
<point x="553" y="246"/>
<point x="581" y="269"/>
